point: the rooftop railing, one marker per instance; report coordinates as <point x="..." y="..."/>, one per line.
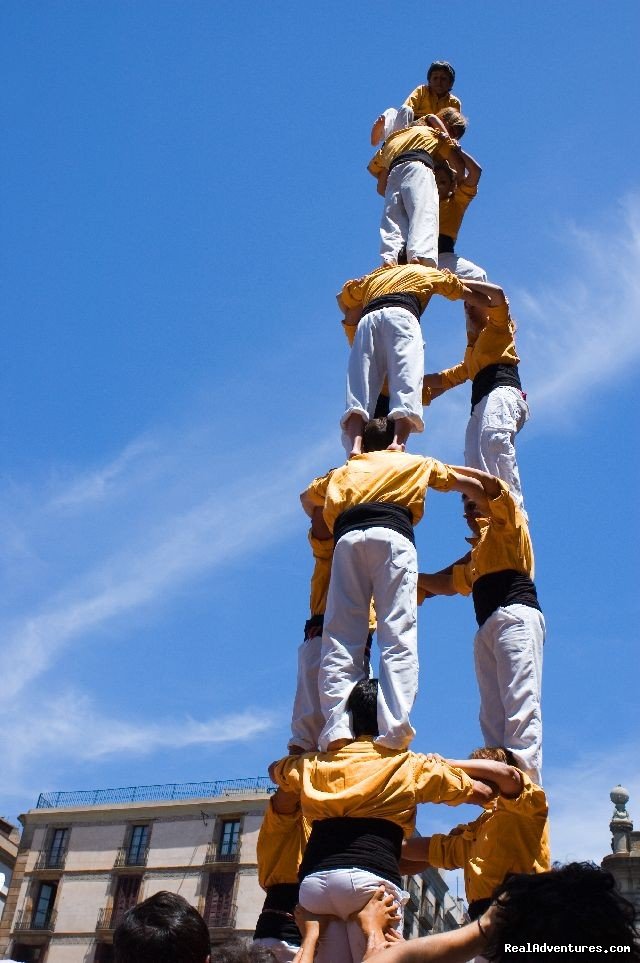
<point x="172" y="791"/>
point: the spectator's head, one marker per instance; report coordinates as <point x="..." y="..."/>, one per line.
<point x="495" y="754"/>
<point x="441" y="77"/>
<point x="455" y="122"/>
<point x="363" y="706"/>
<point x="577" y="903"/>
<point x="378" y="434"/>
<point x="163" y="929"/>
<point x="237" y="950"/>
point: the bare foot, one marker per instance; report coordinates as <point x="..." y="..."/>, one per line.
<point x="395" y="447"/>
<point x="337" y="744"/>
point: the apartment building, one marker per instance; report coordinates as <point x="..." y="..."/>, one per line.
<point x="9" y="839"/>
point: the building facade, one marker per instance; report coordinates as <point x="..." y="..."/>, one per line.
<point x="85" y="858"/>
<point x="431" y="907"/>
<point x="9" y="839"/>
<point x="624" y="860"/>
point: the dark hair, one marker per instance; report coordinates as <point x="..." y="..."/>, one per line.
<point x="455" y="122"/>
<point x="163" y="929"/>
<point x="237" y="950"/>
<point x="576" y="903"/>
<point x="363" y="706"/>
<point x="496" y="754"/>
<point x="442" y="65"/>
<point x="378" y="434"/>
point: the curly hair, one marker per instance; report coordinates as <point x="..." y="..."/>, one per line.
<point x="573" y="904"/>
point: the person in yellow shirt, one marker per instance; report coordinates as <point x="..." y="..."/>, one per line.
<point x="406" y="180"/>
<point x="371" y="505"/>
<point x="508" y="646"/>
<point x="511" y="835"/>
<point x="498" y="406"/>
<point x="307" y="720"/>
<point x="455" y="197"/>
<point x="386" y="305"/>
<point x="428" y="98"/>
<point x="281" y="842"/>
<point x="360" y="801"/>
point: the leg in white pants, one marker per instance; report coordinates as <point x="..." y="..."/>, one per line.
<point x="411" y="214"/>
<point x="490" y="439"/>
<point x="508" y="659"/>
<point x="388" y="343"/>
<point x="461" y="267"/>
<point x="382" y="563"/>
<point x="341" y="892"/>
<point x="307" y="719"/>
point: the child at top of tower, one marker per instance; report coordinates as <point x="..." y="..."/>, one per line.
<point x="427" y="98"/>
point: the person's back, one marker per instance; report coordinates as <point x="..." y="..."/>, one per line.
<point x="163" y="929"/>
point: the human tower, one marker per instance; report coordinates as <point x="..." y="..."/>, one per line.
<point x="343" y="818"/>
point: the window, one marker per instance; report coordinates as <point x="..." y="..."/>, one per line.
<point x="26" y="953"/>
<point x="126" y="896"/>
<point x="138" y="844"/>
<point x="218" y="905"/>
<point x="43" y="908"/>
<point x="229" y="839"/>
<point x="57" y="848"/>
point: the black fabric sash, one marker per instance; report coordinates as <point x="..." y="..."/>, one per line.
<point x="276" y="919"/>
<point x="445" y="244"/>
<point x="494" y="376"/>
<point x="403" y="299"/>
<point x="344" y="843"/>
<point x="412" y="155"/>
<point x="497" y="589"/>
<point x="374" y="515"/>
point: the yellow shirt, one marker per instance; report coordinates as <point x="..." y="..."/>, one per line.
<point x="281" y="842"/>
<point x="423" y="101"/>
<point x="513" y="837"/>
<point x="421" y="137"/>
<point x="405" y="278"/>
<point x="503" y="543"/>
<point x="453" y="209"/>
<point x="494" y="345"/>
<point x="380" y="476"/>
<point x="368" y="780"/>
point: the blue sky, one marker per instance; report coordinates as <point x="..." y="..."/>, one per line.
<point x="183" y="192"/>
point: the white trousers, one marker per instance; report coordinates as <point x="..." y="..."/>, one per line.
<point x="341" y="892"/>
<point x="490" y="439"/>
<point x="307" y="720"/>
<point x="396" y="119"/>
<point x="283" y="952"/>
<point x="382" y="563"/>
<point x="508" y="658"/>
<point x="411" y="214"/>
<point x="388" y="343"/>
<point x="461" y="267"/>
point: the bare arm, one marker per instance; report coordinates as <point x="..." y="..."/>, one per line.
<point x="490" y="485"/>
<point x="493" y="291"/>
<point x="508" y="779"/>
<point x="285" y="803"/>
<point x="383" y="177"/>
<point x="377" y="131"/>
<point x="457" y="946"/>
<point x="436" y="583"/>
<point x="455" y="159"/>
<point x="432" y="120"/>
<point x="432" y="383"/>
<point x="473" y="169"/>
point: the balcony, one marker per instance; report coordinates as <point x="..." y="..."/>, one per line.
<point x="128" y="858"/>
<point x="222" y="919"/>
<point x="51" y="859"/>
<point x="28" y="920"/>
<point x="216" y="854"/>
<point x="108" y="918"/>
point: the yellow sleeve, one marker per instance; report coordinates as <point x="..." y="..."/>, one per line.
<point x="287" y="774"/>
<point x="457" y="104"/>
<point x="461" y="578"/>
<point x="440" y="476"/>
<point x="317" y="490"/>
<point x="322" y="549"/>
<point x="415" y="97"/>
<point x="351" y="295"/>
<point x="440" y="782"/>
<point x="451" y="377"/>
<point x="376" y="165"/>
<point x="447" y="851"/>
<point x="503" y="508"/>
<point x="499" y="316"/>
<point x="532" y="800"/>
<point x="448" y="285"/>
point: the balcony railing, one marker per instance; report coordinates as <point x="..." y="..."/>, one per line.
<point x="51" y="859"/>
<point x="215" y="855"/>
<point x="222" y="919"/>
<point x="130" y="794"/>
<point x="32" y="920"/>
<point x="109" y="917"/>
<point x="131" y="857"/>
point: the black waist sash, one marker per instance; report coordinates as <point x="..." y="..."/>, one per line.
<point x="493" y="376"/>
<point x="477" y="907"/>
<point x="445" y="244"/>
<point x="374" y="515"/>
<point x="497" y="589"/>
<point x="344" y="843"/>
<point x="423" y="156"/>
<point x="402" y="299"/>
<point x="276" y="919"/>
